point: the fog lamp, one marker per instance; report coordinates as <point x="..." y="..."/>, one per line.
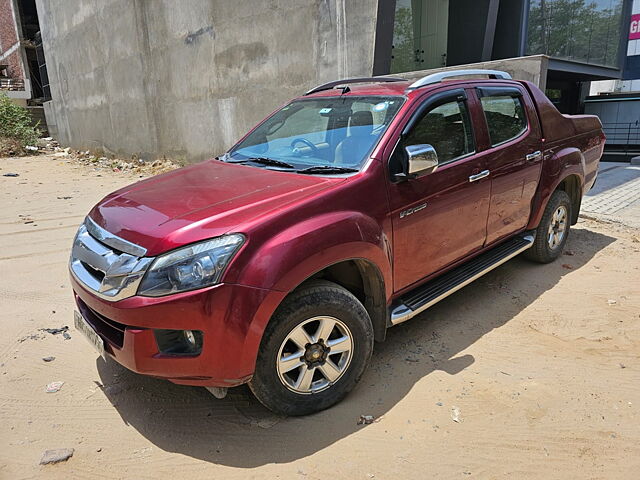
<point x="179" y="342"/>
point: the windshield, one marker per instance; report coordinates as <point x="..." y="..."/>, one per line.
<point x="332" y="133"/>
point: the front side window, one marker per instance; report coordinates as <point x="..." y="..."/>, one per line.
<point x="320" y="132"/>
<point x="505" y="117"/>
<point x="447" y="129"/>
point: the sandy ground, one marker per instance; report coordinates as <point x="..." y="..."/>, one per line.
<point x="542" y="362"/>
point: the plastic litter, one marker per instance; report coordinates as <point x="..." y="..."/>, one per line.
<point x="455" y="415"/>
<point x="53" y="387"/>
<point x="366" y="419"/>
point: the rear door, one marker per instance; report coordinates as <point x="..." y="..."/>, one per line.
<point x="514" y="158"/>
<point x="442" y="217"/>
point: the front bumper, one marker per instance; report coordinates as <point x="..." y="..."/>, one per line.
<point x="228" y="315"/>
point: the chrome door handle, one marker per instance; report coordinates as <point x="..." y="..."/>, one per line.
<point x="533" y="156"/>
<point x="478" y="176"/>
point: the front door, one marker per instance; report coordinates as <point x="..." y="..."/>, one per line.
<point x="442" y="217"/>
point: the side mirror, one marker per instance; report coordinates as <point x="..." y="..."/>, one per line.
<point x="422" y="160"/>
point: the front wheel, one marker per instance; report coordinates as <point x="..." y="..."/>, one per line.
<point x="553" y="231"/>
<point x="314" y="350"/>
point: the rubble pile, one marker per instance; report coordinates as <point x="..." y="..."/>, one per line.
<point x="52" y="148"/>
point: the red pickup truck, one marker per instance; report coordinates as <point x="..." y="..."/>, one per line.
<point x="347" y="211"/>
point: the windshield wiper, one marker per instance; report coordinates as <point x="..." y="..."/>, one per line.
<point x="263" y="161"/>
<point x="327" y="169"/>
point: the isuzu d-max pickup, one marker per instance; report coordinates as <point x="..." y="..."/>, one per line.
<point x="349" y="210"/>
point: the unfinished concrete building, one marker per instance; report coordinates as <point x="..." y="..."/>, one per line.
<point x="23" y="71"/>
<point x="186" y="79"/>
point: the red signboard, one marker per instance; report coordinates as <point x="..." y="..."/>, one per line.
<point x="634" y="31"/>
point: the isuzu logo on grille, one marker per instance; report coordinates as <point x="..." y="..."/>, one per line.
<point x="409" y="211"/>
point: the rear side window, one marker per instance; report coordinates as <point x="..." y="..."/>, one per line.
<point x="447" y="129"/>
<point x="505" y="117"/>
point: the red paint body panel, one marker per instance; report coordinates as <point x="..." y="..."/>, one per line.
<point x="297" y="225"/>
<point x="514" y="179"/>
<point x="201" y="201"/>
<point x="220" y="312"/>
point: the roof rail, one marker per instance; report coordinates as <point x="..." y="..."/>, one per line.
<point x="440" y="76"/>
<point x="330" y="85"/>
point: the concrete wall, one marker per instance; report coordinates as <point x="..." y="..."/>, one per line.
<point x="186" y="79"/>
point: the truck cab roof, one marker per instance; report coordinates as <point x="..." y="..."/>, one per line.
<point x="399" y="86"/>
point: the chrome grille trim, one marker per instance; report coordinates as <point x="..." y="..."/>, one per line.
<point x="112" y="240"/>
<point x="110" y="273"/>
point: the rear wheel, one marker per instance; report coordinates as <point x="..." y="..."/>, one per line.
<point x="314" y="350"/>
<point x="553" y="231"/>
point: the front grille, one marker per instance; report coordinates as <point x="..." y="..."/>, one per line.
<point x="109" y="330"/>
<point x="97" y="274"/>
<point x="111" y="273"/>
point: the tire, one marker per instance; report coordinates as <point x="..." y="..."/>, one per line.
<point x="545" y="249"/>
<point x="333" y="375"/>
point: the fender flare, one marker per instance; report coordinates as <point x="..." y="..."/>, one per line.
<point x="299" y="252"/>
<point x="557" y="167"/>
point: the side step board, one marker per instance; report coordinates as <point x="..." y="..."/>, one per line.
<point x="435" y="290"/>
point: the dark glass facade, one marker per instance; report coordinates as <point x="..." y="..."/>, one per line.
<point x="436" y="33"/>
<point x="580" y="30"/>
<point x="420" y="35"/>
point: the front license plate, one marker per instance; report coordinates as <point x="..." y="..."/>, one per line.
<point x="83" y="326"/>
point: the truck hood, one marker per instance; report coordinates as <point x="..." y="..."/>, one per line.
<point x="201" y="201"/>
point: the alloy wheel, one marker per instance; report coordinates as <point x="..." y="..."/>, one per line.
<point x="557" y="227"/>
<point x="314" y="355"/>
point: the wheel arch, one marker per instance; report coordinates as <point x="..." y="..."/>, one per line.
<point x="364" y="280"/>
<point x="347" y="248"/>
<point x="572" y="186"/>
<point x="563" y="170"/>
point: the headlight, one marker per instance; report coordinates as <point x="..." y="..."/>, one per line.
<point x="196" y="266"/>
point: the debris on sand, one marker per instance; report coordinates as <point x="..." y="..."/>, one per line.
<point x="54" y="387"/>
<point x="118" y="165"/>
<point x="55" y="331"/>
<point x="33" y="336"/>
<point x="10" y="174"/>
<point x="98" y="161"/>
<point x="455" y="415"/>
<point x="611" y="302"/>
<point x="56" y="456"/>
<point x="366" y="419"/>
<point x="48" y="359"/>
